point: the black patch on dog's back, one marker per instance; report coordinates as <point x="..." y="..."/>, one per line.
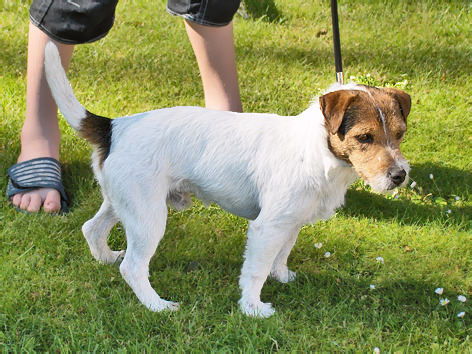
<point x="97" y="131"/>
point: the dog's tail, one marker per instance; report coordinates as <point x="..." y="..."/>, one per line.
<point x="95" y="129"/>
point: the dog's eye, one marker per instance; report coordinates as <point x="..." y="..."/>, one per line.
<point x="399" y="135"/>
<point x="365" y="138"/>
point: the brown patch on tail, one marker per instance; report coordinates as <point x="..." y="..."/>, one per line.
<point x="97" y="131"/>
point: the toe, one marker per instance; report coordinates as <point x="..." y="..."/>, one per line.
<point x="32" y="201"/>
<point x="52" y="202"/>
<point x="16" y="199"/>
<point x="35" y="203"/>
<point x="25" y="201"/>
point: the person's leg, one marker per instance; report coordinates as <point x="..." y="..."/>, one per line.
<point x="214" y="50"/>
<point x="40" y="136"/>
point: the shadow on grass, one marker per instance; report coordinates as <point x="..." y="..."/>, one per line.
<point x="395" y="300"/>
<point x="436" y="200"/>
<point x="397" y="60"/>
<point x="263" y="9"/>
<point x="79" y="182"/>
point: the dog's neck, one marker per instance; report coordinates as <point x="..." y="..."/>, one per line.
<point x="337" y="171"/>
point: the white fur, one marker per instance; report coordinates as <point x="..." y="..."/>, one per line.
<point x="65" y="99"/>
<point x="276" y="171"/>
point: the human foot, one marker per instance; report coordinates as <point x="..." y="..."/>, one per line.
<point x="35" y="183"/>
<point x="31" y="201"/>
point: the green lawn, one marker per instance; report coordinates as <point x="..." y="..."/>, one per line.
<point x="56" y="297"/>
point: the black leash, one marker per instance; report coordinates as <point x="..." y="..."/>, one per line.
<point x="337" y="42"/>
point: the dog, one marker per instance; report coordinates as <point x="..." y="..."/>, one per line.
<point x="278" y="172"/>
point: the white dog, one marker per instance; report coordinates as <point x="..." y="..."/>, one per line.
<point x="278" y="172"/>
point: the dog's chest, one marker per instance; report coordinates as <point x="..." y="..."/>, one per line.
<point x="330" y="195"/>
<point x="328" y="205"/>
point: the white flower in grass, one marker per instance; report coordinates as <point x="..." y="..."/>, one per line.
<point x="458" y="198"/>
<point x="368" y="75"/>
<point x="448" y="211"/>
<point x="413" y="185"/>
<point x="439" y="291"/>
<point x="318" y="245"/>
<point x="461" y="298"/>
<point x="431" y="176"/>
<point x="461" y="314"/>
<point x="372" y="287"/>
<point x="380" y="259"/>
<point x="444" y="302"/>
<point x="352" y="77"/>
<point x="376" y="350"/>
<point x="327" y="254"/>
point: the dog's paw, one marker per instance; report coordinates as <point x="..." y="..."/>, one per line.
<point x="283" y="276"/>
<point x="259" y="310"/>
<point x="111" y="257"/>
<point x="162" y="305"/>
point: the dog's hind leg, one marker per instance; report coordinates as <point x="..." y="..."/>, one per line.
<point x="144" y="229"/>
<point x="279" y="270"/>
<point x="265" y="241"/>
<point x="96" y="232"/>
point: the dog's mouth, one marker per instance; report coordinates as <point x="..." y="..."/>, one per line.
<point x="384" y="177"/>
<point x="386" y="183"/>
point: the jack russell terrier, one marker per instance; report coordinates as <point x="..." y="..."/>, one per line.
<point x="278" y="172"/>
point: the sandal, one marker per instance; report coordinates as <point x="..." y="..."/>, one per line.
<point x="43" y="172"/>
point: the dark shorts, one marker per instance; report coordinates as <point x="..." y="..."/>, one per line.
<point x="205" y="12"/>
<point x="85" y="21"/>
<point x="73" y="21"/>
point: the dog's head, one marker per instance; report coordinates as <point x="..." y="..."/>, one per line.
<point x="365" y="128"/>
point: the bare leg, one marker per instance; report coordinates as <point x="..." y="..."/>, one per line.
<point x="40" y="136"/>
<point x="214" y="49"/>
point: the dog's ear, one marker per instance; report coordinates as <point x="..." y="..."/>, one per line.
<point x="334" y="106"/>
<point x="403" y="99"/>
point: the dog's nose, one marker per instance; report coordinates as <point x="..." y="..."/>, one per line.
<point x="398" y="176"/>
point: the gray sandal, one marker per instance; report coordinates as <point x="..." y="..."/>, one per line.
<point x="43" y="172"/>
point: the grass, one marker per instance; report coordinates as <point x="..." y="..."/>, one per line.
<point x="57" y="298"/>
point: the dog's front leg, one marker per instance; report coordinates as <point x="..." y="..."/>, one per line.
<point x="280" y="271"/>
<point x="264" y="242"/>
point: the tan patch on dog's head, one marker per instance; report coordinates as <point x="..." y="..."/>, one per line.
<point x="366" y="127"/>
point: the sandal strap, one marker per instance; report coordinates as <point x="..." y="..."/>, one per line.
<point x="43" y="172"/>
